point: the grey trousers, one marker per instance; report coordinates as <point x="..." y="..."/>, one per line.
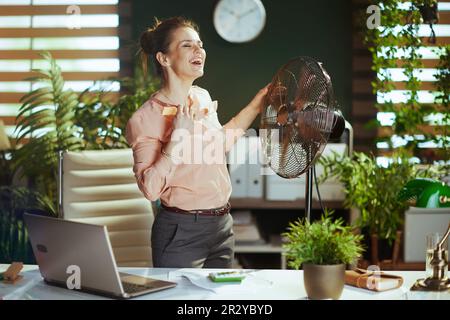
<point x="192" y="241"/>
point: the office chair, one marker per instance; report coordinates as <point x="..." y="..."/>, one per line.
<point x="99" y="187"/>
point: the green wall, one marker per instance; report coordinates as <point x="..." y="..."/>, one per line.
<point x="235" y="72"/>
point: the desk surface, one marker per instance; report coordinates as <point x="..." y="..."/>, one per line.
<point x="259" y="284"/>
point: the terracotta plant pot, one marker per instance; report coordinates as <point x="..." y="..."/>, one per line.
<point x="324" y="281"/>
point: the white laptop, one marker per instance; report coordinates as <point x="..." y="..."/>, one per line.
<point x="66" y="249"/>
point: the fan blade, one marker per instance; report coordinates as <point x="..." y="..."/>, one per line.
<point x="301" y="109"/>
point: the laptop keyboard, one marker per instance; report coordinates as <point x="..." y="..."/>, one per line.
<point x="134" y="288"/>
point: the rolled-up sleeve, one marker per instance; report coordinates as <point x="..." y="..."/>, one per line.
<point x="146" y="132"/>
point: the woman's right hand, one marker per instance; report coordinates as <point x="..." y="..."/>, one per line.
<point x="258" y="101"/>
<point x="181" y="126"/>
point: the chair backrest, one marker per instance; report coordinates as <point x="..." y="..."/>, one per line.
<point x="99" y="187"/>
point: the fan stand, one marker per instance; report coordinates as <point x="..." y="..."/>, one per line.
<point x="308" y="192"/>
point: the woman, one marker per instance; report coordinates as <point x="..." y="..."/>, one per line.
<point x="194" y="227"/>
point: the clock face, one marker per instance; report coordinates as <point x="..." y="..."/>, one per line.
<point x="239" y="20"/>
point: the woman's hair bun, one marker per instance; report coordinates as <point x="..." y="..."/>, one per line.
<point x="146" y="41"/>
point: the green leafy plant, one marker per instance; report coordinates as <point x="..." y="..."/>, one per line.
<point x="46" y="120"/>
<point x="323" y="242"/>
<point x="373" y="189"/>
<point x="102" y="121"/>
<point x="442" y="84"/>
<point x="14" y="201"/>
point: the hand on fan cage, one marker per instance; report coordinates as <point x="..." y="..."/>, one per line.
<point x="246" y="116"/>
<point x="258" y="101"/>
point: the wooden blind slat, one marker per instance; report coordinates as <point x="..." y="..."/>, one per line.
<point x="424" y="85"/>
<point x="364" y="63"/>
<point x="9" y="121"/>
<point x="55" y="10"/>
<point x="59" y="54"/>
<point x="14" y="97"/>
<point x="385" y="132"/>
<point x="440" y="41"/>
<point x="427" y="63"/>
<point x="363" y="85"/>
<point x="437" y="107"/>
<point x="56" y="32"/>
<point x="389" y="153"/>
<point x="444" y="17"/>
<point x="358" y="15"/>
<point x="74" y="76"/>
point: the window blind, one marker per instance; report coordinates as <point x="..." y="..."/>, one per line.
<point x="82" y="35"/>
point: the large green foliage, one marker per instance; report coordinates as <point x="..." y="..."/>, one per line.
<point x="46" y="118"/>
<point x="103" y="122"/>
<point x="373" y="189"/>
<point x="323" y="242"/>
<point x="14" y="201"/>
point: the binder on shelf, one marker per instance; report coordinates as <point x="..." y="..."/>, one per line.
<point x="255" y="178"/>
<point x="237" y="158"/>
<point x="279" y="189"/>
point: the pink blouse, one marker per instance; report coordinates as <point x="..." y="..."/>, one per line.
<point x="186" y="186"/>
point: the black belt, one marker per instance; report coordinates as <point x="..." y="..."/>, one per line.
<point x="203" y="212"/>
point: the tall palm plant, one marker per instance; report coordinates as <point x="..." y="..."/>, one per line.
<point x="46" y="120"/>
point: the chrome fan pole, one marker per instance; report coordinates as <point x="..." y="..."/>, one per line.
<point x="308" y="192"/>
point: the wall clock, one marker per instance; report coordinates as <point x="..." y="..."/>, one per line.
<point x="239" y="21"/>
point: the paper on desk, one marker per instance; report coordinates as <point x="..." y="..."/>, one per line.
<point x="18" y="290"/>
<point x="199" y="278"/>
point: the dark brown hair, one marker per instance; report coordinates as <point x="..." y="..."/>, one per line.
<point x="158" y="38"/>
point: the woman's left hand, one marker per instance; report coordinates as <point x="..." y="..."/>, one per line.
<point x="258" y="101"/>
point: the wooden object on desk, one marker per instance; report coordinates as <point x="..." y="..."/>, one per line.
<point x="11" y="275"/>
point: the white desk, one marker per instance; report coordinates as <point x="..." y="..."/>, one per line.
<point x="259" y="285"/>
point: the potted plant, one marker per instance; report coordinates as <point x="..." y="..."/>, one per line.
<point x="323" y="248"/>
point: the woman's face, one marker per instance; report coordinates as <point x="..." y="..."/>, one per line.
<point x="186" y="55"/>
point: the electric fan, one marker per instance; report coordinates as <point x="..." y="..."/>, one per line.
<point x="299" y="118"/>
